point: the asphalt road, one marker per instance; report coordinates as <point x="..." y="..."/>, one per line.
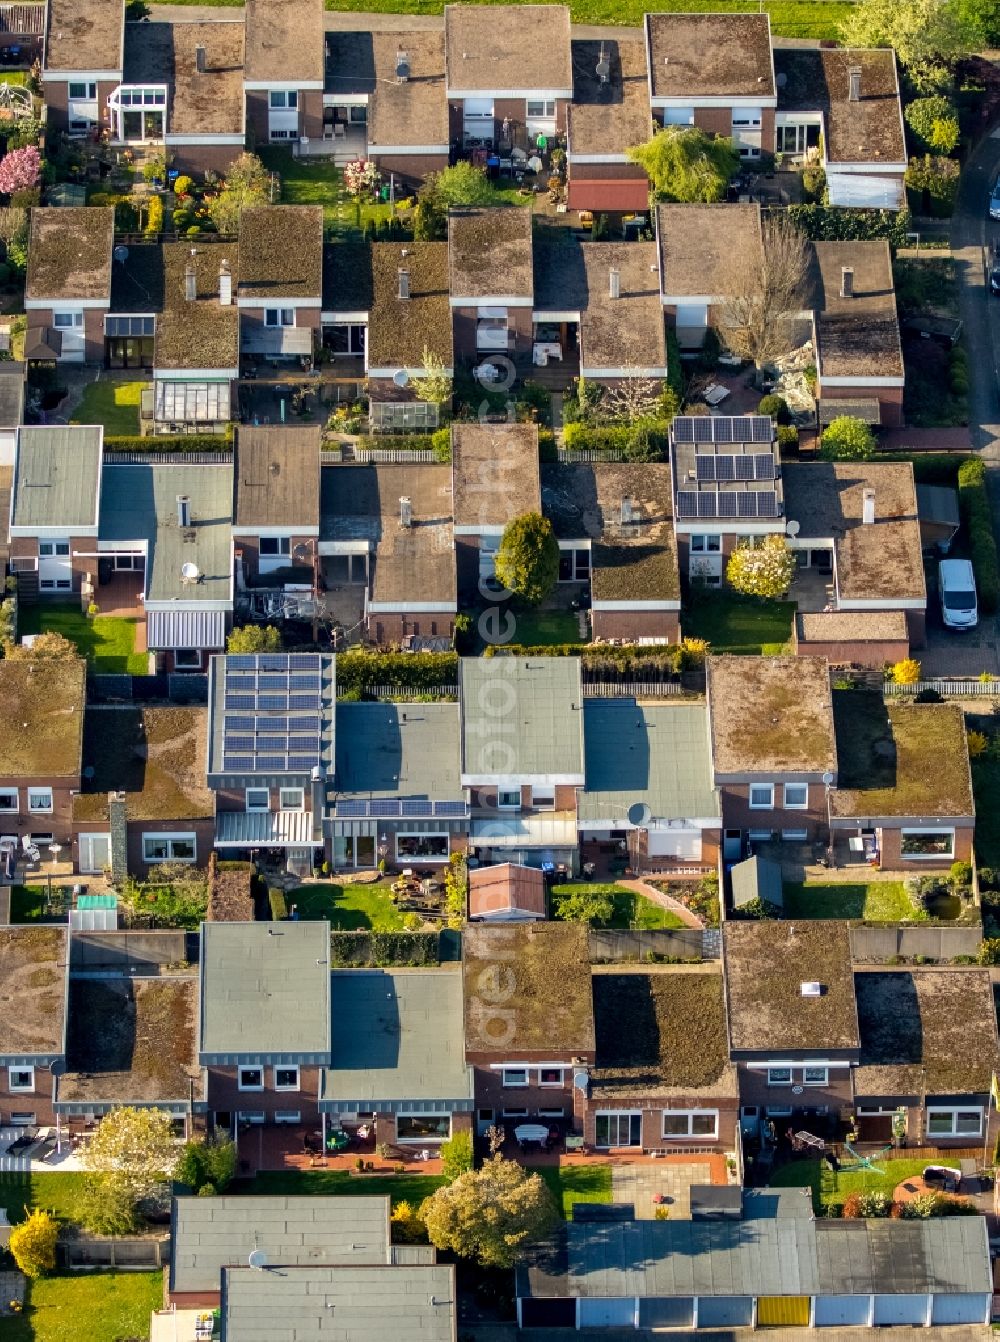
<point x="971" y="231"/>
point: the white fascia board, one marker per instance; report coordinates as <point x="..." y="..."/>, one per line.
<point x="344" y="319"/>
<point x="67" y="304"/>
<point x="659" y="824"/>
<point x="138" y="546"/>
<point x="801" y="542"/>
<point x="499" y="301"/>
<point x="536" y="95"/>
<point x="587" y="371"/>
<point x="499" y="1066"/>
<point x="410" y="372"/>
<point x="871" y="168"/>
<point x="861" y="381"/>
<point x="512" y="781"/>
<point x="277" y="300"/>
<point x="598" y="158"/>
<point x="345" y="99"/>
<point x="555" y="315"/>
<point x="674" y="300"/>
<point x="798" y="119"/>
<point x="895" y="603"/>
<point x="584" y="543"/>
<point x="344" y="548"/>
<point x="179" y="603"/>
<point x="757" y="1065"/>
<point x="82" y="76"/>
<point x="195" y="374"/>
<point x="478" y="530"/>
<point x="204" y="139"/>
<point x="698" y="526"/>
<point x="718" y="100"/>
<point x="635" y="605"/>
<point x="411" y="607"/>
<point x="276" y="85"/>
<point x="283" y="532"/>
<point x="55" y="531"/>
<point x="405" y="150"/>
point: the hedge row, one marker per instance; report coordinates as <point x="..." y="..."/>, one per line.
<point x="978" y="519"/>
<point x="187" y="442"/>
<point x="646" y="440"/>
<point x="405" y="670"/>
<point x="930" y="468"/>
<point x="831" y="223"/>
<point x="358" y="949"/>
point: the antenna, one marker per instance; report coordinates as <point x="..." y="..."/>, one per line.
<point x="199" y="59"/>
<point x="627" y="511"/>
<point x="639" y="815"/>
<point x="401" y="377"/>
<point x="614" y="282"/>
<point x="190" y="281"/>
<point x="190" y="574"/>
<point x="404" y="283"/>
<point x="792" y="527"/>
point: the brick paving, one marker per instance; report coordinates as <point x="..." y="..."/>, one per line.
<point x="641" y="1185"/>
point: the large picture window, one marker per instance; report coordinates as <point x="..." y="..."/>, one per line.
<point x="927" y="843"/>
<point x="679" y="1124"/>
<point x="954" y="1122"/>
<point x="618" y="1130"/>
<point x="422" y="847"/>
<point x="423" y="1127"/>
<point x="169" y="848"/>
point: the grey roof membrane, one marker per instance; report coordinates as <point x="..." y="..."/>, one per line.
<point x="56" y="476"/>
<point x="521" y="717"/>
<point x="399" y="750"/>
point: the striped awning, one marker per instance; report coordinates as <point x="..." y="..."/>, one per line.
<point x="265" y="829"/>
<point x="548" y="829"/>
<point x="167" y="629"/>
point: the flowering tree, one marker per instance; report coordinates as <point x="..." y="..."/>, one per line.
<point x="33" y="1243"/>
<point x="764" y="569"/>
<point x="133" y="1149"/>
<point x="362" y="177"/>
<point x="20" y="170"/>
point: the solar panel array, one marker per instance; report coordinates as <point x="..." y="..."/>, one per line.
<point x="752" y="466"/>
<point x="389" y="808"/>
<point x="272" y="720"/>
<point x="723" y="429"/>
<point x="751" y="503"/>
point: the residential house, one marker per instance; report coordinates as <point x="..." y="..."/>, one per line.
<point x="410" y="318"/>
<point x="387" y="549"/>
<point x="495" y="479"/>
<point x="649" y="793"/>
<point x="529" y="1021"/>
<point x="265" y="1022"/>
<point x="276" y="509"/>
<point x="728" y="489"/>
<point x="83" y="62"/>
<point x="522" y="757"/>
<point x="660" y="1082"/>
<point x="859" y="357"/>
<point x="507" y="893"/>
<point x="271" y="748"/>
<point x="700" y="247"/>
<point x="793" y="1021"/>
<point x="283" y="73"/>
<point x="68" y="285"/>
<point x="840" y="107"/>
<point x="508" y="74"/>
<point x="858" y="549"/>
<point x="22" y="34"/>
<point x="347" y="303"/>
<point x="41" y="755"/>
<point x="12" y="376"/>
<point x="144" y="786"/>
<point x="614" y="524"/>
<point x="279" y="292"/>
<point x="491" y="286"/>
<point x="609" y="114"/>
<point x="137" y="281"/>
<point x="939" y="517"/>
<point x="774" y="753"/>
<point x="398" y="1056"/>
<point x="904" y="786"/>
<point x="33" y="968"/>
<point x="716" y="72"/>
<point x="396" y="793"/>
<point x="929" y="1054"/>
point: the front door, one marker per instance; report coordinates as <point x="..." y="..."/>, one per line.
<point x="95" y="853"/>
<point x="732" y="845"/>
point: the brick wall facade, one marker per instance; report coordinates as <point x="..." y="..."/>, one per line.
<point x="37" y="1102"/>
<point x="520" y="334"/>
<point x="873" y="655"/>
<point x="197" y="159"/>
<point x="392" y="626"/>
<point x="837" y="1096"/>
<point x="410" y="169"/>
<point x="890" y="400"/>
<point x="892" y="858"/>
<point x="203" y="830"/>
<point x="58" y="821"/>
<point x="737" y="813"/>
<point x="653" y="1109"/>
<point x="225" y="1096"/>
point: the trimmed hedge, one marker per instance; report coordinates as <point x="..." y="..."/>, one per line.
<point x="978" y="520"/>
<point x="398" y="442"/>
<point x="930" y="468"/>
<point x="356" y="670"/>
<point x="358" y="949"/>
<point x="279" y="907"/>
<point x="643" y="441"/>
<point x="832" y="223"/>
<point x="186" y="442"/>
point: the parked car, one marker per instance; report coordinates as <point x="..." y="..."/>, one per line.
<point x="957" y="588"/>
<point x="993" y="208"/>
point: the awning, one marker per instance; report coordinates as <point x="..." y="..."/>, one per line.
<point x="548" y="829"/>
<point x="862" y="191"/>
<point x="289" y="341"/>
<point x="265" y="829"/>
<point x="42" y="342"/>
<point x="186" y="629"/>
<point x="608" y="193"/>
<point x="192" y="402"/>
<point x="865" y="408"/>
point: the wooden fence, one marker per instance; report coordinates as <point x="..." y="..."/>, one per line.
<point x="169" y="457"/>
<point x="392" y="455"/>
<point x="962" y="689"/>
<point x="631" y="689"/>
<point x="590" y="454"/>
<point x="888" y="942"/>
<point x="611" y="946"/>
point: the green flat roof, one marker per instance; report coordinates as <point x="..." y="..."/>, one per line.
<point x="522" y="717"/>
<point x="57" y="476"/>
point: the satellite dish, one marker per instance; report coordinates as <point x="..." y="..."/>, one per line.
<point x="581" y="1081"/>
<point x="120" y="253"/>
<point x="401" y="378"/>
<point x="639" y="814"/>
<point x="58" y="1068"/>
<point x="792" y="527"/>
<point x="828" y="778"/>
<point x="189" y="572"/>
<point x="258" y="1259"/>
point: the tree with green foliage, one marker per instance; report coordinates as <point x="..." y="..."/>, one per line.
<point x="461" y="184"/>
<point x="456" y="889"/>
<point x="764" y="567"/>
<point x="493" y="1214"/>
<point x="434" y="383"/>
<point x="934" y="123"/>
<point x="33" y="1244"/>
<point x="254" y="638"/>
<point x="456" y="1156"/>
<point x="847" y="439"/>
<point x="106" y="1206"/>
<point x="133" y="1149"/>
<point x="247" y="182"/>
<point x="207" y="1164"/>
<point x="595" y="906"/>
<point x="925" y="33"/>
<point x="527" y="562"/>
<point x="687" y="164"/>
<point x="937" y="179"/>
<point x="50" y="646"/>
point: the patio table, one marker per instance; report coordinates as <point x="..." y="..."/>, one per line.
<point x="337" y="1141"/>
<point x="531" y="1132"/>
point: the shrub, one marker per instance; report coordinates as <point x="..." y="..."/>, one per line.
<point x="814" y="185"/>
<point x="254" y="638"/>
<point x="960" y="874"/>
<point x="847" y="439"/>
<point x="933" y="184"/>
<point x="978" y="520"/>
<point x="279" y="907"/>
<point x="183" y="185"/>
<point x="377" y="949"/>
<point x="20" y="170"/>
<point x="106" y="1207"/>
<point x="924" y="890"/>
<point x="757" y="909"/>
<point x="441" y="444"/>
<point x="788" y="435"/>
<point x="33" y="1244"/>
<point x="830" y="223"/>
<point x="775" y="406"/>
<point x="906" y="672"/>
<point x="647" y="443"/>
<point x="407" y="1225"/>
<point x="195" y="442"/>
<point x="934" y="123"/>
<point x="456" y="1155"/>
<point x="154" y="217"/>
<point x="547" y="449"/>
<point x="764" y="569"/>
<point x="989" y="954"/>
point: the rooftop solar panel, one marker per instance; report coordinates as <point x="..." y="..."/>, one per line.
<point x="303" y="661"/>
<point x="351" y="808"/>
<point x="702" y="429"/>
<point x="413" y="807"/>
<point x="747" y="505"/>
<point x="272" y="661"/>
<point x="240" y="701"/>
<point x="706" y="505"/>
<point x="727" y="503"/>
<point x="445" y="808"/>
<point x="241" y="662"/>
<point x="687" y="502"/>
<point x="743" y="468"/>
<point x="763" y="465"/>
<point x="767" y="503"/>
<point x="683" y="429"/>
<point x="762" y="429"/>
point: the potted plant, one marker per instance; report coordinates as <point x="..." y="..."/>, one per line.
<point x="899" y="1128"/>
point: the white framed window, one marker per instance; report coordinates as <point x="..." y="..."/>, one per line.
<point x="954" y="1122"/>
<point x="679" y="1124"/>
<point x="761" y="796"/>
<point x="187" y="659"/>
<point x="514" y="1076"/>
<point x="40" y="799"/>
<point x="550" y="1076"/>
<point x="927" y="844"/>
<point x="795" y="835"/>
<point x="678" y="116"/>
<point x="83" y="90"/>
<point x="169" y="848"/>
<point x="544" y="798"/>
<point x="22" y="1120"/>
<point x="796" y="796"/>
<point x="618" y="1129"/>
<point x="287" y="1116"/>
<point x="20" y="1079"/>
<point x="275" y="133"/>
<point x="574" y="563"/>
<point x="284" y="98"/>
<point x="54" y="584"/>
<point x="279" y="316"/>
<point x="759" y="835"/>
<point x="540" y="107"/>
<point x="815" y="1076"/>
<point x="778" y="1111"/>
<point x="66" y="321"/>
<point x="258" y="799"/>
<point x="255" y="1116"/>
<point x="79" y="125"/>
<point x="552" y="1113"/>
<point x="509" y="799"/>
<point x="422" y="847"/>
<point x="779" y="1076"/>
<point x="249" y="1078"/>
<point x="286" y="1078"/>
<point x="708" y="545"/>
<point x="515" y="1113"/>
<point x="423" y="1127"/>
<point x="275" y="545"/>
<point x="747" y="117"/>
<point x="9" y="799"/>
<point x="53" y="549"/>
<point x="292" y="799"/>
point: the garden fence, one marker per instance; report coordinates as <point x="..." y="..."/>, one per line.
<point x="123" y="1254"/>
<point x="609" y="945"/>
<point x="590" y="454"/>
<point x="963" y="689"/>
<point x="879" y="944"/>
<point x="179" y="689"/>
<point x="392" y="456"/>
<point x="631" y="689"/>
<point x="407" y="694"/>
<point x="168" y="457"/>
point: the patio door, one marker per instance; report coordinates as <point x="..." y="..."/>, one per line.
<point x="95" y="852"/>
<point x="55" y="566"/>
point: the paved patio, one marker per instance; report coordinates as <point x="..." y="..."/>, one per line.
<point x="663" y="1184"/>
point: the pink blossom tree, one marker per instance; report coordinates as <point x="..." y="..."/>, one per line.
<point x="20" y="170"/>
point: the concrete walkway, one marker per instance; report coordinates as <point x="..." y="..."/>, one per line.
<point x="655" y="896"/>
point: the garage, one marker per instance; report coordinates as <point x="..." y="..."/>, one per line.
<point x="843" y="1311"/>
<point x="961" y="1309"/>
<point x="618" y="1313"/>
<point x="783" y="1311"/>
<point x="725" y="1311"/>
<point x="547" y="1313"/>
<point x="667" y="1312"/>
<point x="901" y="1309"/>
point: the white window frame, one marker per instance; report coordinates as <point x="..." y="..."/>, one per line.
<point x="760" y="805"/>
<point x="11" y="793"/>
<point x="289" y="1116"/>
<point x="540" y="109"/>
<point x="820" y="1076"/>
<point x="275" y="547"/>
<point x="508" y="1072"/>
<point x="514" y="1113"/>
<point x="708" y="545"/>
<point x="279" y="316"/>
<point x="286" y="792"/>
<point x="258" y="1117"/>
<point x="23" y="1089"/>
<point x="746" y="118"/>
<point x="794" y="835"/>
<point x="508" y="805"/>
<point x="619" y="1115"/>
<point x="252" y="806"/>
<point x="187" y="659"/>
<point x="423" y="857"/>
<point x="953" y="1110"/>
<point x="188" y="837"/>
<point x="543" y="798"/>
<point x="552" y="1113"/>
<point x="298" y="1077"/>
<point x="89" y="88"/>
<point x="282" y="100"/>
<point x="250" y="1067"/>
<point x="67" y="321"/>
<point x="926" y="857"/>
<point x="424" y="1139"/>
<point x="546" y="1085"/>
<point x="53" y="549"/>
<point x="40" y="801"/>
<point x="779" y="1076"/>
<point x="802" y="805"/>
<point x="690" y="1135"/>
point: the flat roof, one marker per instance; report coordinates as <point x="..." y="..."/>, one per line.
<point x="11" y="393"/>
<point x="541" y="973"/>
<point x="608" y="118"/>
<point x="413" y="111"/>
<point x="766" y="964"/>
<point x="489" y="252"/>
<point x="33" y="968"/>
<point x="659" y="1053"/>
<point x="495" y="474"/>
<point x="926" y="1032"/>
<point x="508" y="48"/>
<point x="57" y="474"/>
<point x="137" y="282"/>
<point x="856" y="336"/>
<point x="627" y="332"/>
<point x="281" y="252"/>
<point x="698" y="242"/>
<point x="265" y="989"/>
<point x="84" y="35"/>
<point x="207" y="102"/>
<point x="139" y="503"/>
<point x="710" y="55"/>
<point x="200" y="333"/>
<point x="156" y="756"/>
<point x="284" y="36"/>
<point x="69" y="252"/>
<point x="771" y="715"/>
<point x="398" y="750"/>
<point x="875" y="561"/>
<point x="293" y="1231"/>
<point x="560" y="273"/>
<point x="900" y="759"/>
<point x="132" y="1041"/>
<point x="43" y="706"/>
<point x="653" y="753"/>
<point x="400" y="329"/>
<point x="277" y="473"/>
<point x="347" y="274"/>
<point x="851" y="626"/>
<point x="867" y="131"/>
<point x="533" y="706"/>
<point x="397" y="1038"/>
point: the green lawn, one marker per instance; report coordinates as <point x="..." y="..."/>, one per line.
<point x="577" y="1183"/>
<point x="113" y="404"/>
<point x="877" y="902"/>
<point x="99" y="1306"/>
<point x="27" y="903"/>
<point x="107" y="641"/>
<point x="738" y="624"/>
<point x="829" y="1188"/>
<point x="411" y="1188"/>
<point x="349" y="908"/>
<point x="542" y="628"/>
<point x="631" y="908"/>
<point x="58" y="1193"/>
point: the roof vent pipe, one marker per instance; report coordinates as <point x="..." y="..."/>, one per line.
<point x="854" y="75"/>
<point x="868" y="507"/>
<point x="405" y="512"/>
<point x="183" y="510"/>
<point x="199" y="59"/>
<point x="225" y="285"/>
<point x="615" y="282"/>
<point x="847" y="281"/>
<point x="190" y="282"/>
<point x="404" y="283"/>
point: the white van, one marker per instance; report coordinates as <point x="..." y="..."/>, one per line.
<point x="957" y="585"/>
